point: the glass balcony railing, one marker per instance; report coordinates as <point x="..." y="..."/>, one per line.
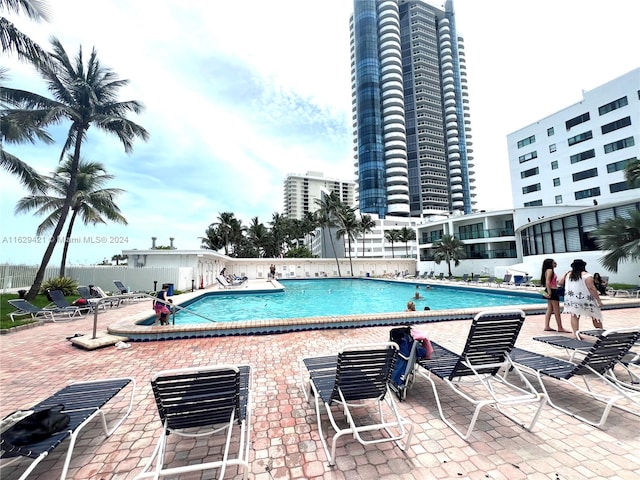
<point x="490" y="233"/>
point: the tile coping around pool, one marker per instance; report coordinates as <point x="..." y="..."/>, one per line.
<point x="130" y="327"/>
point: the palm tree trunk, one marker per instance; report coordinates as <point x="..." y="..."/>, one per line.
<point x="64" y="211"/>
<point x="350" y="262"/>
<point x="67" y="239"/>
<point x="335" y="254"/>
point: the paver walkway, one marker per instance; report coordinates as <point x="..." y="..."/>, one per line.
<point x="37" y="362"/>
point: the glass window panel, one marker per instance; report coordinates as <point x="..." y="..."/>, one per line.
<point x="572" y="236"/>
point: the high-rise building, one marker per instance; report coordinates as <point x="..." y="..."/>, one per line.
<point x="412" y="139"/>
<point x="302" y="191"/>
<point x="578" y="155"/>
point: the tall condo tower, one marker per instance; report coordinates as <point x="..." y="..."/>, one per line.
<point x="412" y="135"/>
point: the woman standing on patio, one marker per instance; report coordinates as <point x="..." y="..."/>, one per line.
<point x="549" y="280"/>
<point x="582" y="297"/>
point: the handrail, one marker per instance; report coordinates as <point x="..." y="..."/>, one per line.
<point x="125" y="296"/>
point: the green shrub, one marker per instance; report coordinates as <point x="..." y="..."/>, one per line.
<point x="68" y="285"/>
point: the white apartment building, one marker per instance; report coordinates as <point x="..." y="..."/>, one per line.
<point x="302" y="191"/>
<point x="577" y="156"/>
<point x="567" y="176"/>
<point x="374" y="244"/>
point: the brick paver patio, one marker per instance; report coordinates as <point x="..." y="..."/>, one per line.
<point x="37" y="362"/>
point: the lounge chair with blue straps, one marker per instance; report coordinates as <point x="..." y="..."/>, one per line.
<point x="82" y="402"/>
<point x="475" y="374"/>
<point x="596" y="365"/>
<point x="198" y="402"/>
<point x="357" y="377"/>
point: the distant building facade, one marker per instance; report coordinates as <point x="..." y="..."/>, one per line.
<point x="412" y="135"/>
<point x="577" y="156"/>
<point x="301" y="192"/>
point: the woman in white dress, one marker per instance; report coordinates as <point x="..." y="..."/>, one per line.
<point x="581" y="296"/>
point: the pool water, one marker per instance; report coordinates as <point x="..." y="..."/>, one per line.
<point x="334" y="297"/>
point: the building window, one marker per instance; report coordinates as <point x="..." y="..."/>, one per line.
<point x="618" y="124"/>
<point x="584" y="136"/>
<point x="529" y="173"/>
<point x="590" y="192"/>
<point x="556" y="182"/>
<point x="552" y="148"/>
<point x="617" y="166"/>
<point x="579" y="157"/>
<point x="554" y="165"/>
<point x="535" y="203"/>
<point x="531" y="188"/>
<point x="550" y="132"/>
<point x="526" y="141"/>
<point x="528" y="156"/>
<point x="619" y="187"/>
<point x="558" y="199"/>
<point x="609" y="107"/>
<point x="619" y="145"/>
<point x="592" y="172"/>
<point x="577" y="120"/>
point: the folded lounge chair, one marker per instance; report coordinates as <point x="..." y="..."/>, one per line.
<point x="203" y="401"/>
<point x="82" y="401"/>
<point x="25" y="308"/>
<point x="225" y="283"/>
<point x="474" y="372"/>
<point x="356" y="377"/>
<point x="597" y="365"/>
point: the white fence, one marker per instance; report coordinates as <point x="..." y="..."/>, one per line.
<point x="15" y="277"/>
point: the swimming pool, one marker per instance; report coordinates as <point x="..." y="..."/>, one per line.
<point x="333" y="297"/>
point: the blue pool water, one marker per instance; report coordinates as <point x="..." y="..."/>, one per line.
<point x="333" y="297"/>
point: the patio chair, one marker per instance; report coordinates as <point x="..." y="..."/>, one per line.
<point x="465" y="278"/>
<point x="24" y="308"/>
<point x="572" y="347"/>
<point x="475" y="278"/>
<point x="357" y="377"/>
<point x="62" y="306"/>
<point x="129" y="296"/>
<point x="505" y="280"/>
<point x="82" y="401"/>
<point x="224" y="283"/>
<point x="92" y="301"/>
<point x="491" y="281"/>
<point x="473" y="374"/>
<point x="203" y="401"/>
<point x="609" y="348"/>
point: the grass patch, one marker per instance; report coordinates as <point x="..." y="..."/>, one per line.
<point x="5" y="309"/>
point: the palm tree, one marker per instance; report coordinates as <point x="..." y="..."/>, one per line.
<point x="326" y="216"/>
<point x="392" y="236"/>
<point x="309" y="225"/>
<point x="20" y="130"/>
<point x="86" y="95"/>
<point x="119" y="258"/>
<point x="632" y="172"/>
<point x="91" y="200"/>
<point x="212" y="239"/>
<point x="13" y="40"/>
<point x="257" y="234"/>
<point x="621" y="237"/>
<point x="367" y="224"/>
<point x="448" y="249"/>
<point x="406" y="235"/>
<point x="347" y="227"/>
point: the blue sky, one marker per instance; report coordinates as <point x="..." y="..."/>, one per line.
<point x="238" y="94"/>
